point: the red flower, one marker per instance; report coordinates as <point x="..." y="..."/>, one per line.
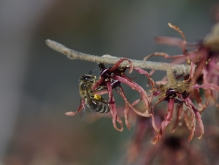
<point x="204" y="61"/>
<point x="178" y="92"/>
<point x="112" y="78"/>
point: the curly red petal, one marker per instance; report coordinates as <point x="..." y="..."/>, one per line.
<point x="179" y="110"/>
<point x="139" y="89"/>
<point x="81" y="106"/>
<point x="116" y="65"/>
<point x="94" y="87"/>
<point x="112" y="105"/>
<point x="166" y="122"/>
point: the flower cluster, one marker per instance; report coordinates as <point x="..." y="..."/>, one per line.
<point x="111" y="78"/>
<point x="178" y="91"/>
<point x="204" y="62"/>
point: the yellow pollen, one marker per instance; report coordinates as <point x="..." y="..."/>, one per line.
<point x="188" y="61"/>
<point x="97" y="97"/>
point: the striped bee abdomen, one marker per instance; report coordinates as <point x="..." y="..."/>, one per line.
<point x="101" y="107"/>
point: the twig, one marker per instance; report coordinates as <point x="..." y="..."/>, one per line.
<point x="108" y="59"/>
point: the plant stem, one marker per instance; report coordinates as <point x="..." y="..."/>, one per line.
<point x="108" y="59"/>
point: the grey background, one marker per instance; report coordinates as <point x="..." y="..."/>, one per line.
<point x="38" y="85"/>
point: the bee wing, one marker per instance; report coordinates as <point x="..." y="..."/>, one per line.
<point x="82" y="114"/>
<point x="92" y="105"/>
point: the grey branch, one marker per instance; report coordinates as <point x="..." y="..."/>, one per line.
<point x="108" y="59"/>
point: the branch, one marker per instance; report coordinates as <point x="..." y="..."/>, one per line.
<point x="108" y="59"/>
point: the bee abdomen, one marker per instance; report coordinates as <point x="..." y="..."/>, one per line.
<point x="102" y="108"/>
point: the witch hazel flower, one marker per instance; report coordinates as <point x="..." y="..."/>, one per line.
<point x="205" y="59"/>
<point x="211" y="91"/>
<point x="204" y="62"/>
<point x="111" y="79"/>
<point x="177" y="92"/>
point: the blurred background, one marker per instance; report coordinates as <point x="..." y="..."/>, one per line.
<point x="38" y="85"/>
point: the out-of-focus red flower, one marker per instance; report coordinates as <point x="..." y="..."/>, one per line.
<point x="141" y="139"/>
<point x="173" y="150"/>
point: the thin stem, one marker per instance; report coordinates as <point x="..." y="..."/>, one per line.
<point x="171" y="77"/>
<point x="108" y="59"/>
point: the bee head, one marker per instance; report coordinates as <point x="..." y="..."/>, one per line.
<point x="88" y="78"/>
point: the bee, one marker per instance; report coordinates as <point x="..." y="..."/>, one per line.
<point x="93" y="101"/>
